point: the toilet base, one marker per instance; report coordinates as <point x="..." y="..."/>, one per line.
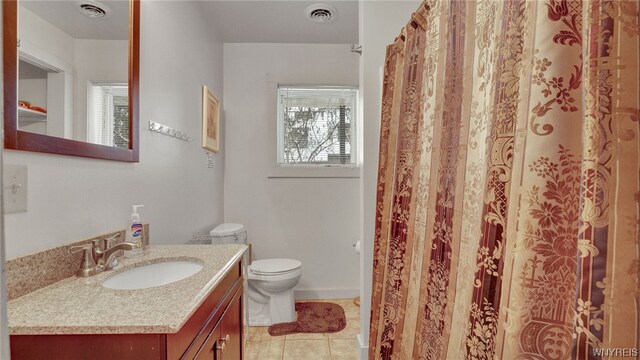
<point x="283" y="308"/>
<point x="280" y="308"/>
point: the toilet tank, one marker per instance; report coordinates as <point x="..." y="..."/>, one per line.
<point x="229" y="233"/>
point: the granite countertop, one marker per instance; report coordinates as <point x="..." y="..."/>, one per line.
<point x="83" y="306"/>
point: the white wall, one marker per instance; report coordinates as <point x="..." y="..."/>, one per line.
<point x="96" y="60"/>
<point x="46" y="37"/>
<point x="380" y="23"/>
<point x="74" y="198"/>
<point x="314" y="220"/>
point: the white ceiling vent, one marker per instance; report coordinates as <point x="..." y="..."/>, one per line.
<point x="322" y="13"/>
<point x="93" y="9"/>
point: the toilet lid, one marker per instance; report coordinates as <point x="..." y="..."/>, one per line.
<point x="227" y="229"/>
<point x="274" y="266"/>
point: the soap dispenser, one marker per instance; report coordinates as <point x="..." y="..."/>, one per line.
<point x="134" y="234"/>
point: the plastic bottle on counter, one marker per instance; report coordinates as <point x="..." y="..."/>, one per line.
<point x="134" y="234"/>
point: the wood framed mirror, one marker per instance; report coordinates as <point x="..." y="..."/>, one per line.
<point x="84" y="115"/>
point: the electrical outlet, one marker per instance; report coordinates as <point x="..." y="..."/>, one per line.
<point x="14" y="186"/>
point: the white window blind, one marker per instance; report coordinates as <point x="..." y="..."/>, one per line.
<point x="109" y="114"/>
<point x="316" y="126"/>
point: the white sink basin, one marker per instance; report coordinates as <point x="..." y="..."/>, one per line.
<point x="151" y="275"/>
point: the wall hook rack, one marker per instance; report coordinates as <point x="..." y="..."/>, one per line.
<point x="166" y="130"/>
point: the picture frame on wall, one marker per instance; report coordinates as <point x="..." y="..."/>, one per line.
<point x="210" y="120"/>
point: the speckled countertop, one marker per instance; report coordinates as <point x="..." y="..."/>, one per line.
<point x="83" y="306"/>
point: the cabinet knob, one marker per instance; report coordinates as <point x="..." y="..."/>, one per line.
<point x="221" y="347"/>
<point x="226" y="338"/>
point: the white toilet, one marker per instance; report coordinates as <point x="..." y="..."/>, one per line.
<point x="271" y="282"/>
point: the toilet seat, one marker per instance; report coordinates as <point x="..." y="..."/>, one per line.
<point x="274" y="267"/>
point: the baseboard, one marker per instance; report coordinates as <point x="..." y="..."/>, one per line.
<point x="363" y="348"/>
<point x="326" y="294"/>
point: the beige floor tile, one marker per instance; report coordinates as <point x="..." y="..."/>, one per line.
<point x="306" y="336"/>
<point x="306" y="350"/>
<point x="343" y="349"/>
<point x="260" y="333"/>
<point x="264" y="350"/>
<point x="350" y="331"/>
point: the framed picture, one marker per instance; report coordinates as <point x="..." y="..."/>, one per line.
<point x="210" y="120"/>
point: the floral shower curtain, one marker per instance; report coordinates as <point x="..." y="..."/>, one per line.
<point x="507" y="220"/>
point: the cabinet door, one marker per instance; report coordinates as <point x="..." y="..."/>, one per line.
<point x="212" y="348"/>
<point x="231" y="329"/>
<point x="187" y="342"/>
<point x="225" y="340"/>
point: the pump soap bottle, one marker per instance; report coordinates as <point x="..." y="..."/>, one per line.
<point x="134" y="234"/>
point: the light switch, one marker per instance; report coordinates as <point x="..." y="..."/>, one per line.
<point x="14" y="186"/>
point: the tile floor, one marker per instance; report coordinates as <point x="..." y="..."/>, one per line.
<point x="324" y="346"/>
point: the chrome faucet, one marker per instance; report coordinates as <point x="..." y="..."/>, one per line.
<point x="99" y="247"/>
<point x="105" y="257"/>
<point x="96" y="257"/>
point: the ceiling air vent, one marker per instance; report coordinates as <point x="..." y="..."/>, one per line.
<point x="93" y="9"/>
<point x="322" y="13"/>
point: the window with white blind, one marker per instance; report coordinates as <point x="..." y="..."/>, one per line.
<point x="317" y="126"/>
<point x="108" y="114"/>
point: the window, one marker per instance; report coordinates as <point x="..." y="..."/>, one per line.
<point x="109" y="114"/>
<point x="316" y="126"/>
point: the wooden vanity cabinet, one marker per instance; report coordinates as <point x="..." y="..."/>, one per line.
<point x="203" y="336"/>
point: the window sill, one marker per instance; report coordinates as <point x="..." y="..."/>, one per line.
<point x="314" y="171"/>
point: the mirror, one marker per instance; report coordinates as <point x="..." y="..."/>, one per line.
<point x="72" y="77"/>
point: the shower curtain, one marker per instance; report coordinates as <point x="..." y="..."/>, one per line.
<point x="507" y="221"/>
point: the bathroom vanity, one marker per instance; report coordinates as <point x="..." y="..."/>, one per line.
<point x="199" y="317"/>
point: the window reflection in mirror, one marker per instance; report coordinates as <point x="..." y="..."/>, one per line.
<point x="73" y="71"/>
<point x="108" y="123"/>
